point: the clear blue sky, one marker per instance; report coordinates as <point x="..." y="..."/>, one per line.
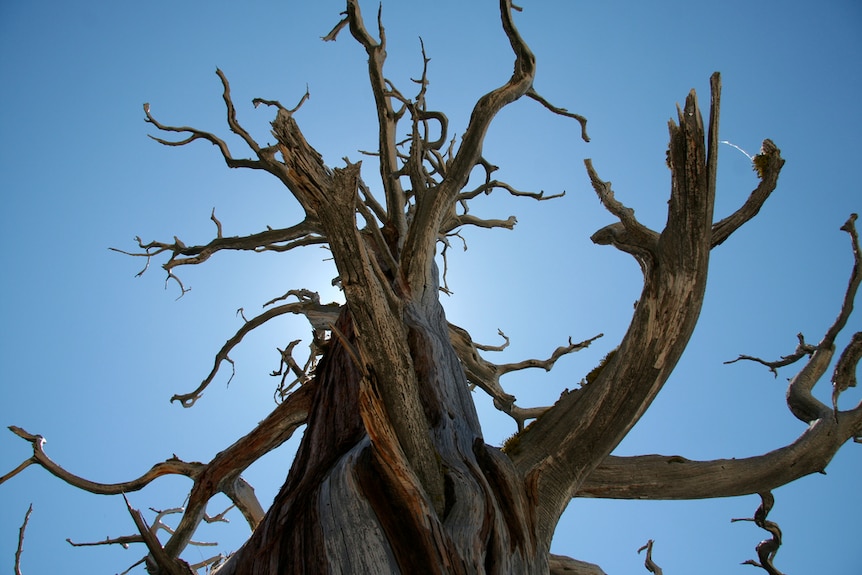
<point x="90" y="355"/>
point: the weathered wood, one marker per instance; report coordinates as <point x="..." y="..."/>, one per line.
<point x="393" y="474"/>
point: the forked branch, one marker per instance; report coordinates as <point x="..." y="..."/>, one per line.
<point x="308" y="305"/>
<point x="800" y="398"/>
<point x="486" y="375"/>
<point x="166" y="563"/>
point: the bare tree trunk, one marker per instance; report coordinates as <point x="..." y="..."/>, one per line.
<point x="347" y="507"/>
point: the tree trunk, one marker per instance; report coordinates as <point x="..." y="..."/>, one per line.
<point x="349" y="506"/>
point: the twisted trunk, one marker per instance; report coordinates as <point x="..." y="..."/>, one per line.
<point x="351" y="506"/>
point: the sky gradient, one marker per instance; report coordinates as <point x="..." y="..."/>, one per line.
<point x="91" y="354"/>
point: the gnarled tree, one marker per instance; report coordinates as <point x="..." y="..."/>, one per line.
<point x="393" y="474"/>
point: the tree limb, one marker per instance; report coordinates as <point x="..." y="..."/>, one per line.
<point x="166" y="563"/>
<point x="20" y="548"/>
<point x="767" y="548"/>
<point x="430" y="211"/>
<point x="308" y="305"/>
<point x="800" y="398"/>
<point x="629" y="235"/>
<point x="172" y="466"/>
<point x="563" y="447"/>
<point x="648" y="562"/>
<point x="768" y="165"/>
<point x="386" y="117"/>
<point x="531" y="93"/>
<point x="486" y="375"/>
<point x="276" y="240"/>
<point x="222" y="474"/>
<point x="662" y="477"/>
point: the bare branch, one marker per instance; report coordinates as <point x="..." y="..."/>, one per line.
<point x="304" y="233"/>
<point x="852" y="285"/>
<point x="648" y="562"/>
<point x="309" y="307"/>
<point x="802" y="350"/>
<point x="674" y="477"/>
<point x="223" y="472"/>
<point x="547" y="364"/>
<point x="258" y="101"/>
<point x="217" y="223"/>
<point x="142" y="560"/>
<point x="431" y="212"/>
<point x="800" y="398"/>
<point x="490" y="185"/>
<point x="199" y="135"/>
<point x="629" y="235"/>
<point x="333" y="34"/>
<point x="24" y="464"/>
<point x="232" y="122"/>
<point x="501" y="347"/>
<point x="767" y="548"/>
<point x="20" y="548"/>
<point x="123" y="540"/>
<point x="158" y="524"/>
<point x="531" y="93"/>
<point x="172" y="466"/>
<point x="287" y="366"/>
<point x="454" y="220"/>
<point x="166" y="563"/>
<point x="768" y="166"/>
<point x="486" y="375"/>
<point x="386" y="117"/>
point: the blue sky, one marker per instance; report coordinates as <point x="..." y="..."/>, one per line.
<point x="90" y="355"/>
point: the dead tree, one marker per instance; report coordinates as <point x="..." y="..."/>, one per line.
<point x="393" y="474"/>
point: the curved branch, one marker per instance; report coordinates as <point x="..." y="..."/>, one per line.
<point x="800" y="398"/>
<point x="648" y="562"/>
<point x="768" y="166"/>
<point x="222" y="474"/>
<point x="844" y="376"/>
<point x="547" y="364"/>
<point x="486" y="375"/>
<point x="232" y="122"/>
<point x="172" y="466"/>
<point x="199" y="135"/>
<point x="767" y="548"/>
<point x="310" y="307"/>
<point x="531" y="93"/>
<point x="490" y="185"/>
<point x="675" y="477"/>
<point x="561" y="449"/>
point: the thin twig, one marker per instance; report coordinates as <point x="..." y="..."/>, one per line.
<point x="21" y="531"/>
